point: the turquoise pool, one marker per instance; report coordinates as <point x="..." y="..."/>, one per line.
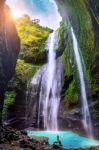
<point x="68" y="138"/>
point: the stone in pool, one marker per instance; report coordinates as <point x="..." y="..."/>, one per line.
<point x="67" y="138"/>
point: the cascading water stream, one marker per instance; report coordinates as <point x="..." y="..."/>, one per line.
<point x="85" y="109"/>
<point x="50" y="87"/>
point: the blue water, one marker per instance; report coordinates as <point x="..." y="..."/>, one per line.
<point x="68" y="138"/>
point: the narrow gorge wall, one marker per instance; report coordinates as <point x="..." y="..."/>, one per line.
<point x="83" y="16"/>
<point x="9" y="49"/>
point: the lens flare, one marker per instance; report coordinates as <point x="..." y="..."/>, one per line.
<point x="16" y="13"/>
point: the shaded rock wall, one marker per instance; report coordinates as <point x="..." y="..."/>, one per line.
<point x="9" y="49"/>
<point x="23" y="113"/>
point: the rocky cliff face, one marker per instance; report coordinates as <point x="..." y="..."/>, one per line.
<point x="83" y="16"/>
<point x="9" y="49"/>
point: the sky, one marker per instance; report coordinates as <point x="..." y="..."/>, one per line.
<point x="45" y="10"/>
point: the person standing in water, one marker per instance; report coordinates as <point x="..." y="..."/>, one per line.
<point x="57" y="143"/>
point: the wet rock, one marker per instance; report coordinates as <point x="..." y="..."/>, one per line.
<point x="24" y="132"/>
<point x="70" y="120"/>
<point x="15" y="140"/>
<point x="26" y="144"/>
<point x="40" y="139"/>
<point x="12" y="137"/>
<point x="3" y="140"/>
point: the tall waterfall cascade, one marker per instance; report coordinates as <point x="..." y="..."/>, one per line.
<point x="86" y="118"/>
<point x="50" y="87"/>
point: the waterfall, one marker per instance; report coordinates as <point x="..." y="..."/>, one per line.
<point x="50" y="87"/>
<point x="86" y="118"/>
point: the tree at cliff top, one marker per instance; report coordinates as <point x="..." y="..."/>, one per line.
<point x="32" y="55"/>
<point x="33" y="37"/>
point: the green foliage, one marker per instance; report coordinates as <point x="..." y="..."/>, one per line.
<point x="71" y="95"/>
<point x="81" y="21"/>
<point x="9" y="100"/>
<point x="32" y="55"/>
<point x="62" y="32"/>
<point x="24" y="72"/>
<point x="87" y="28"/>
<point x="33" y="38"/>
<point x="67" y="55"/>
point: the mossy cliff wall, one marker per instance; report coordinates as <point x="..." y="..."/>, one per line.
<point x="83" y="16"/>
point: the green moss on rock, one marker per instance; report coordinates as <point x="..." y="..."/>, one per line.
<point x="70" y="94"/>
<point x="23" y="74"/>
<point x="9" y="100"/>
<point x="83" y="17"/>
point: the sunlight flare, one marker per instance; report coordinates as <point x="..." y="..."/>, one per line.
<point x="17" y="13"/>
